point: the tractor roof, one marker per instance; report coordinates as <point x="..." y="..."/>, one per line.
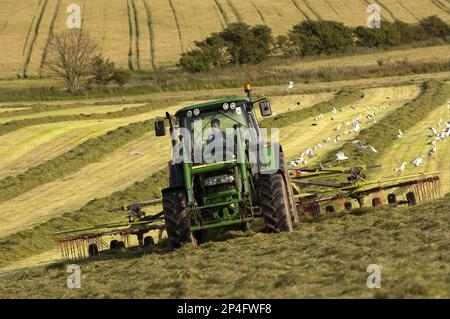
<point x="210" y="103"/>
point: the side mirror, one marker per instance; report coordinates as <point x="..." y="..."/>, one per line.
<point x="266" y="109"/>
<point x="160" y="128"/>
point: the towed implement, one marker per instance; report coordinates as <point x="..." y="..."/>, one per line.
<point x="225" y="174"/>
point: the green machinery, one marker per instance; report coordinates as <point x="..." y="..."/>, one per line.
<point x="248" y="180"/>
<point x="225" y="173"/>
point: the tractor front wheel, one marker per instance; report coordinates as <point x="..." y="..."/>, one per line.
<point x="275" y="203"/>
<point x="176" y="218"/>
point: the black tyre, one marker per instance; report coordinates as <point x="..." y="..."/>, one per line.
<point x="120" y="244"/>
<point x="376" y="202"/>
<point x="330" y="209"/>
<point x="275" y="203"/>
<point x="411" y="198"/>
<point x="348" y="206"/>
<point x="149" y="241"/>
<point x="113" y="244"/>
<point x="175" y="217"/>
<point x="92" y="250"/>
<point x="392" y="199"/>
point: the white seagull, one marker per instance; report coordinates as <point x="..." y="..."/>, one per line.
<point x="289" y="86"/>
<point x="400" y="133"/>
<point x="416" y="162"/>
<point x="361" y="148"/>
<point x="340" y="157"/>
<point x="401" y="168"/>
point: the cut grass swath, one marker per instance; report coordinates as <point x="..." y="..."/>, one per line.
<point x="87" y="152"/>
<point x="259" y="13"/>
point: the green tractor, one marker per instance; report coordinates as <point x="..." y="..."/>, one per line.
<point x="228" y="185"/>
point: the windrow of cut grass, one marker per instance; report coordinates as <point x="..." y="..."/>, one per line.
<point x="87" y="152"/>
<point x="41" y="237"/>
<point x="11" y="126"/>
<point x="325" y="258"/>
<point x="342" y="98"/>
<point x="381" y="136"/>
<point x="55" y="110"/>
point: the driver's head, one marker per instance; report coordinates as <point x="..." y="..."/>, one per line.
<point x="215" y="124"/>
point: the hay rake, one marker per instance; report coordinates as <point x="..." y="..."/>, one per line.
<point x="90" y="242"/>
<point x="336" y="188"/>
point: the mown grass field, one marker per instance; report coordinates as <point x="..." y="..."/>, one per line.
<point x="113" y="175"/>
<point x="323" y="259"/>
<point x="154" y="33"/>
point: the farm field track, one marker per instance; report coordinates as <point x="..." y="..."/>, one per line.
<point x="428" y="54"/>
<point x="154" y="33"/>
<point x="311" y="265"/>
<point x="10" y="109"/>
<point x="30" y="146"/>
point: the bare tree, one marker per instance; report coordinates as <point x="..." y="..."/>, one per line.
<point x="69" y="56"/>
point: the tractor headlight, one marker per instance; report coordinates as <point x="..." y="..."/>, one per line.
<point x="196" y="112"/>
<point x="225" y="106"/>
<point x="189" y="113"/>
<point x="233" y="106"/>
<point x="219" y="180"/>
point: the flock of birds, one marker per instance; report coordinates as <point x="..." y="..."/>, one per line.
<point x="354" y="126"/>
<point x="435" y="135"/>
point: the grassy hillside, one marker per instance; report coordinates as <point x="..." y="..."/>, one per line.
<point x="326" y="258"/>
<point x="154" y="33"/>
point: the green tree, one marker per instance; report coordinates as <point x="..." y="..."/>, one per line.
<point x="435" y="27"/>
<point x="195" y="61"/>
<point x="317" y="37"/>
<point x="386" y="36"/>
<point x="121" y="77"/>
<point x="102" y="69"/>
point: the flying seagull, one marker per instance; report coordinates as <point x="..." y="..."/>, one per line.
<point x="361" y="148"/>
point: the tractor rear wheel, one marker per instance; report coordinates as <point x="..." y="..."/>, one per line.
<point x="275" y="203"/>
<point x="348" y="206"/>
<point x="330" y="209"/>
<point x="176" y="218"/>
